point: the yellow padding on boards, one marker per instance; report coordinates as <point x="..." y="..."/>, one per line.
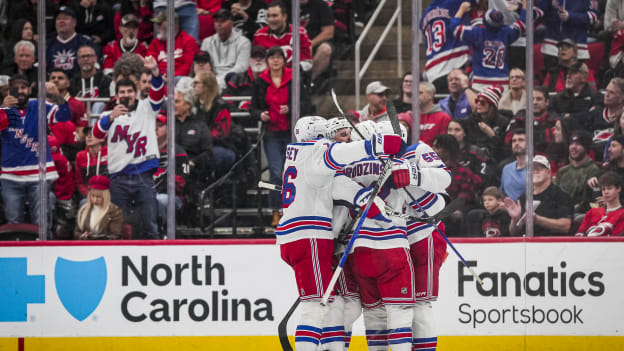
<point x="8" y="344"/>
<point x="271" y="343"/>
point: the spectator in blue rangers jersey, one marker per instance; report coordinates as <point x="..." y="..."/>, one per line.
<point x="20" y="150"/>
<point x="62" y="50"/>
<point x="566" y="19"/>
<point x="133" y="155"/>
<point x="444" y="52"/>
<point x="490" y="61"/>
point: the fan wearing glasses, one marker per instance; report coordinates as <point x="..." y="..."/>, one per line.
<point x="486" y="125"/>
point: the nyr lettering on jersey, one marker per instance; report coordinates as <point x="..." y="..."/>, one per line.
<point x="291" y="153"/>
<point x="135" y="144"/>
<point x="362" y="168"/>
<point x="25" y="139"/>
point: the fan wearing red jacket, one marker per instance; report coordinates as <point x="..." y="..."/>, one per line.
<point x="609" y="220"/>
<point x="89" y="162"/>
<point x="279" y="33"/>
<point x="185" y="47"/>
<point x="128" y="43"/>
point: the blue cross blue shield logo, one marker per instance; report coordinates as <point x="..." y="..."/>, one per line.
<point x="80" y="285"/>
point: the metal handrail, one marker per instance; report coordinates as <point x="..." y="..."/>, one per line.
<point x="360" y="73"/>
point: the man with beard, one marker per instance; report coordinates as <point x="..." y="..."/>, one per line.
<point x="130" y="129"/>
<point x="577" y="97"/>
<point x="377" y="97"/>
<point x="543" y="120"/>
<point x="459" y="103"/>
<point x="279" y="33"/>
<point x="185" y="46"/>
<point x="79" y="115"/>
<point x="90" y="82"/>
<point x="228" y="49"/>
<point x="552" y="211"/>
<point x="129" y="42"/>
<point x="241" y="84"/>
<point x="514" y="173"/>
<point x="69" y="133"/>
<point x="19" y="126"/>
<point x="573" y="178"/>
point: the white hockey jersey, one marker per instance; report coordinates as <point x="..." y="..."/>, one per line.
<point x="373" y="233"/>
<point x="434" y="177"/>
<point x="310" y="184"/>
<point x="131" y="138"/>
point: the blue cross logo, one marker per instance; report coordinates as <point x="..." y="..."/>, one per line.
<point x="18" y="289"/>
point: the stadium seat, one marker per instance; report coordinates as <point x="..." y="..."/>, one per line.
<point x="19" y="232"/>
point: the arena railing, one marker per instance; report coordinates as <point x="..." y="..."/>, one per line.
<point x="359" y="73"/>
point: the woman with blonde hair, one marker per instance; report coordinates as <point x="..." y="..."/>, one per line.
<point x="99" y="219"/>
<point x="214" y="112"/>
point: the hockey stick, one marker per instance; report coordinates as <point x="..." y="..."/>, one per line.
<point x="397" y="130"/>
<point x="269" y="186"/>
<point x="382" y="178"/>
<point x="281" y="328"/>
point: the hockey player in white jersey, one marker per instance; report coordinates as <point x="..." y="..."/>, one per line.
<point x="339" y="130"/>
<point x="425" y="177"/>
<point x="310" y="184"/>
<point x="381" y="265"/>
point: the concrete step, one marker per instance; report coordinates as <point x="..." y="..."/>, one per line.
<point x="375" y="33"/>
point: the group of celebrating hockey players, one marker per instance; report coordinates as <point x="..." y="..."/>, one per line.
<point x="391" y="273"/>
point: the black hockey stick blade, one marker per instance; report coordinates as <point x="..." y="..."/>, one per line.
<point x="281" y="328"/>
<point x="394" y="118"/>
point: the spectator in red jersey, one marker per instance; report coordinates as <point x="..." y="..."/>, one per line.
<point x="279" y="33"/>
<point x="91" y="161"/>
<point x="185" y="47"/>
<point x="64" y="209"/>
<point x="607" y="220"/>
<point x="65" y="132"/>
<point x="129" y="42"/>
<point x="556" y="76"/>
<point x="143" y="10"/>
<point x="433" y="121"/>
<point x="270" y="102"/>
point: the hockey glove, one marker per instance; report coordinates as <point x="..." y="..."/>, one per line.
<point x="404" y="173"/>
<point x="376" y="210"/>
<point x="380" y="144"/>
<point x="9" y="117"/>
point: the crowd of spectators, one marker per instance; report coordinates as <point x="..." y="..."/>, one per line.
<point x="108" y="156"/>
<point x="116" y="51"/>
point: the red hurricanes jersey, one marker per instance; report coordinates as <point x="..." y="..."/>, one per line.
<point x="113" y="51"/>
<point x="264" y="37"/>
<point x="599" y="222"/>
<point x="185" y="48"/>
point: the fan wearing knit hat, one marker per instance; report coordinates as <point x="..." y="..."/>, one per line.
<point x="490" y="61"/>
<point x="485" y="126"/>
<point x="99" y="218"/>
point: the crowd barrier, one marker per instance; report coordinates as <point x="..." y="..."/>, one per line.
<point x="538" y="294"/>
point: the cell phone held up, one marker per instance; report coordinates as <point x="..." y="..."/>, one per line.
<point x="125" y="101"/>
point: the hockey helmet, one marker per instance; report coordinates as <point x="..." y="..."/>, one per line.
<point x="310" y="127"/>
<point x="385" y="127"/>
<point x="335" y="124"/>
<point x="366" y="128"/>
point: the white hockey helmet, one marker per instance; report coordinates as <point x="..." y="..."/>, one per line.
<point x="310" y="127"/>
<point x="367" y="128"/>
<point x="385" y="127"/>
<point x="335" y="124"/>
